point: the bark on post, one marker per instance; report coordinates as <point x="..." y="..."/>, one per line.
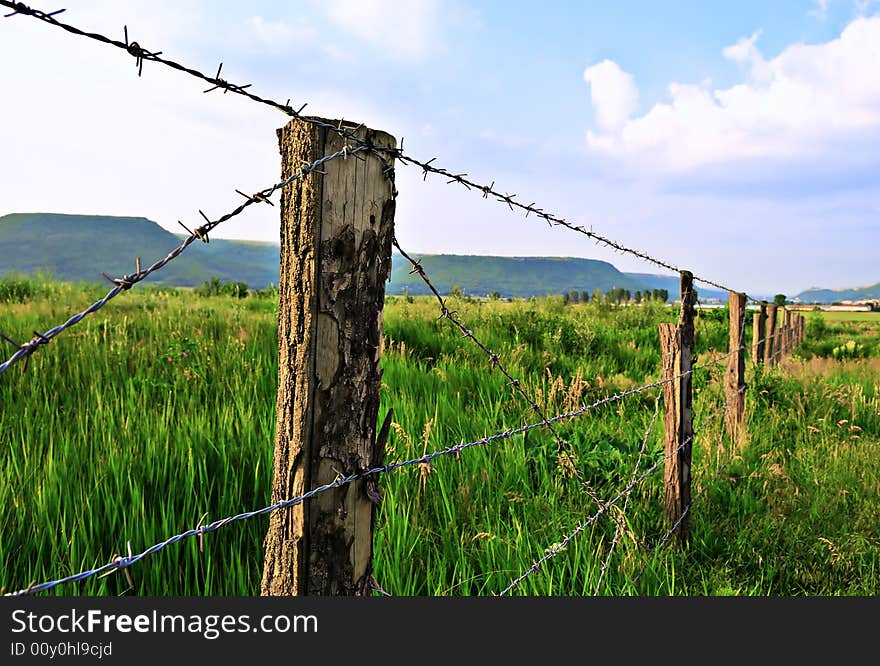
<point x="770" y="339"/>
<point x="734" y="378"/>
<point x="759" y="321"/>
<point x="336" y="233"/>
<point x="677" y="347"/>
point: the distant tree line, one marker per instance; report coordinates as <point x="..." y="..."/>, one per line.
<point x="616" y="296"/>
<point x="216" y="287"/>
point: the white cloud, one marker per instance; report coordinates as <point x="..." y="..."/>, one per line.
<point x="805" y="102"/>
<point x="613" y="93"/>
<point x="746" y="53"/>
<point x="402" y="30"/>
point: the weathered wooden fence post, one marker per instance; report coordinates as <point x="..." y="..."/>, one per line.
<point x="770" y="340"/>
<point x="759" y="321"/>
<point x="782" y="349"/>
<point x="677" y="353"/>
<point x="735" y="377"/>
<point x="336" y="239"/>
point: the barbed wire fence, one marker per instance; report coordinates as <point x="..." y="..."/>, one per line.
<point x="358" y="148"/>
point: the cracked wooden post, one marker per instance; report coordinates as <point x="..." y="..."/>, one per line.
<point x="677" y="353"/>
<point x="770" y="339"/>
<point x="759" y="321"/>
<point x="735" y="377"/>
<point x="336" y="233"/>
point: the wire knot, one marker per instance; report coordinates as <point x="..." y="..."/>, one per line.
<point x="223" y="83"/>
<point x="21" y="8"/>
<point x="135" y="49"/>
<point x="138" y="52"/>
<point x="126" y="281"/>
<point x="31" y="346"/>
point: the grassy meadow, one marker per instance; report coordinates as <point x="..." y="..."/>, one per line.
<point x="156" y="413"/>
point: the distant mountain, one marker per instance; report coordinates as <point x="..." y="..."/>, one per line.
<point x="80" y="247"/>
<point x="509" y="276"/>
<point x="816" y="295"/>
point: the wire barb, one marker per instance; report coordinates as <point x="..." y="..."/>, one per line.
<point x="256" y="197"/>
<point x="139" y="53"/>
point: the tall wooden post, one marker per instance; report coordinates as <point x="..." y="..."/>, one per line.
<point x="336" y="234"/>
<point x="677" y="353"/>
<point x="759" y="321"/>
<point x="770" y="339"/>
<point x="735" y="377"/>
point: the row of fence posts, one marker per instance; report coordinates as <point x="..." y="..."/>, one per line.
<point x="776" y="331"/>
<point x="336" y="241"/>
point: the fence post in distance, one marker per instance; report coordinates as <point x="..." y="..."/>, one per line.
<point x="734" y="378"/>
<point x="770" y="340"/>
<point x="759" y="321"/>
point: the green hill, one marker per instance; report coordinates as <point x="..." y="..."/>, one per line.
<point x="79" y="247"/>
<point x="817" y="295"/>
<point x="509" y="276"/>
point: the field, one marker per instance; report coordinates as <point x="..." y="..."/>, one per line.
<point x="156" y="413"/>
<point x="872" y="317"/>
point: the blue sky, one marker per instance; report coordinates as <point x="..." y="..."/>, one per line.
<point x="738" y="140"/>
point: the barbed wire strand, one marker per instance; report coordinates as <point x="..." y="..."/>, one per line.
<point x="618" y="533"/>
<point x="556" y="548"/>
<point x="140" y="54"/>
<point x="199" y="233"/>
<point x="567" y="458"/>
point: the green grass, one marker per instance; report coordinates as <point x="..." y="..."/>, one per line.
<point x="873" y="317"/>
<point x="157" y="412"/>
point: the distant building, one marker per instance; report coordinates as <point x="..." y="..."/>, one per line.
<point x="846" y="306"/>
